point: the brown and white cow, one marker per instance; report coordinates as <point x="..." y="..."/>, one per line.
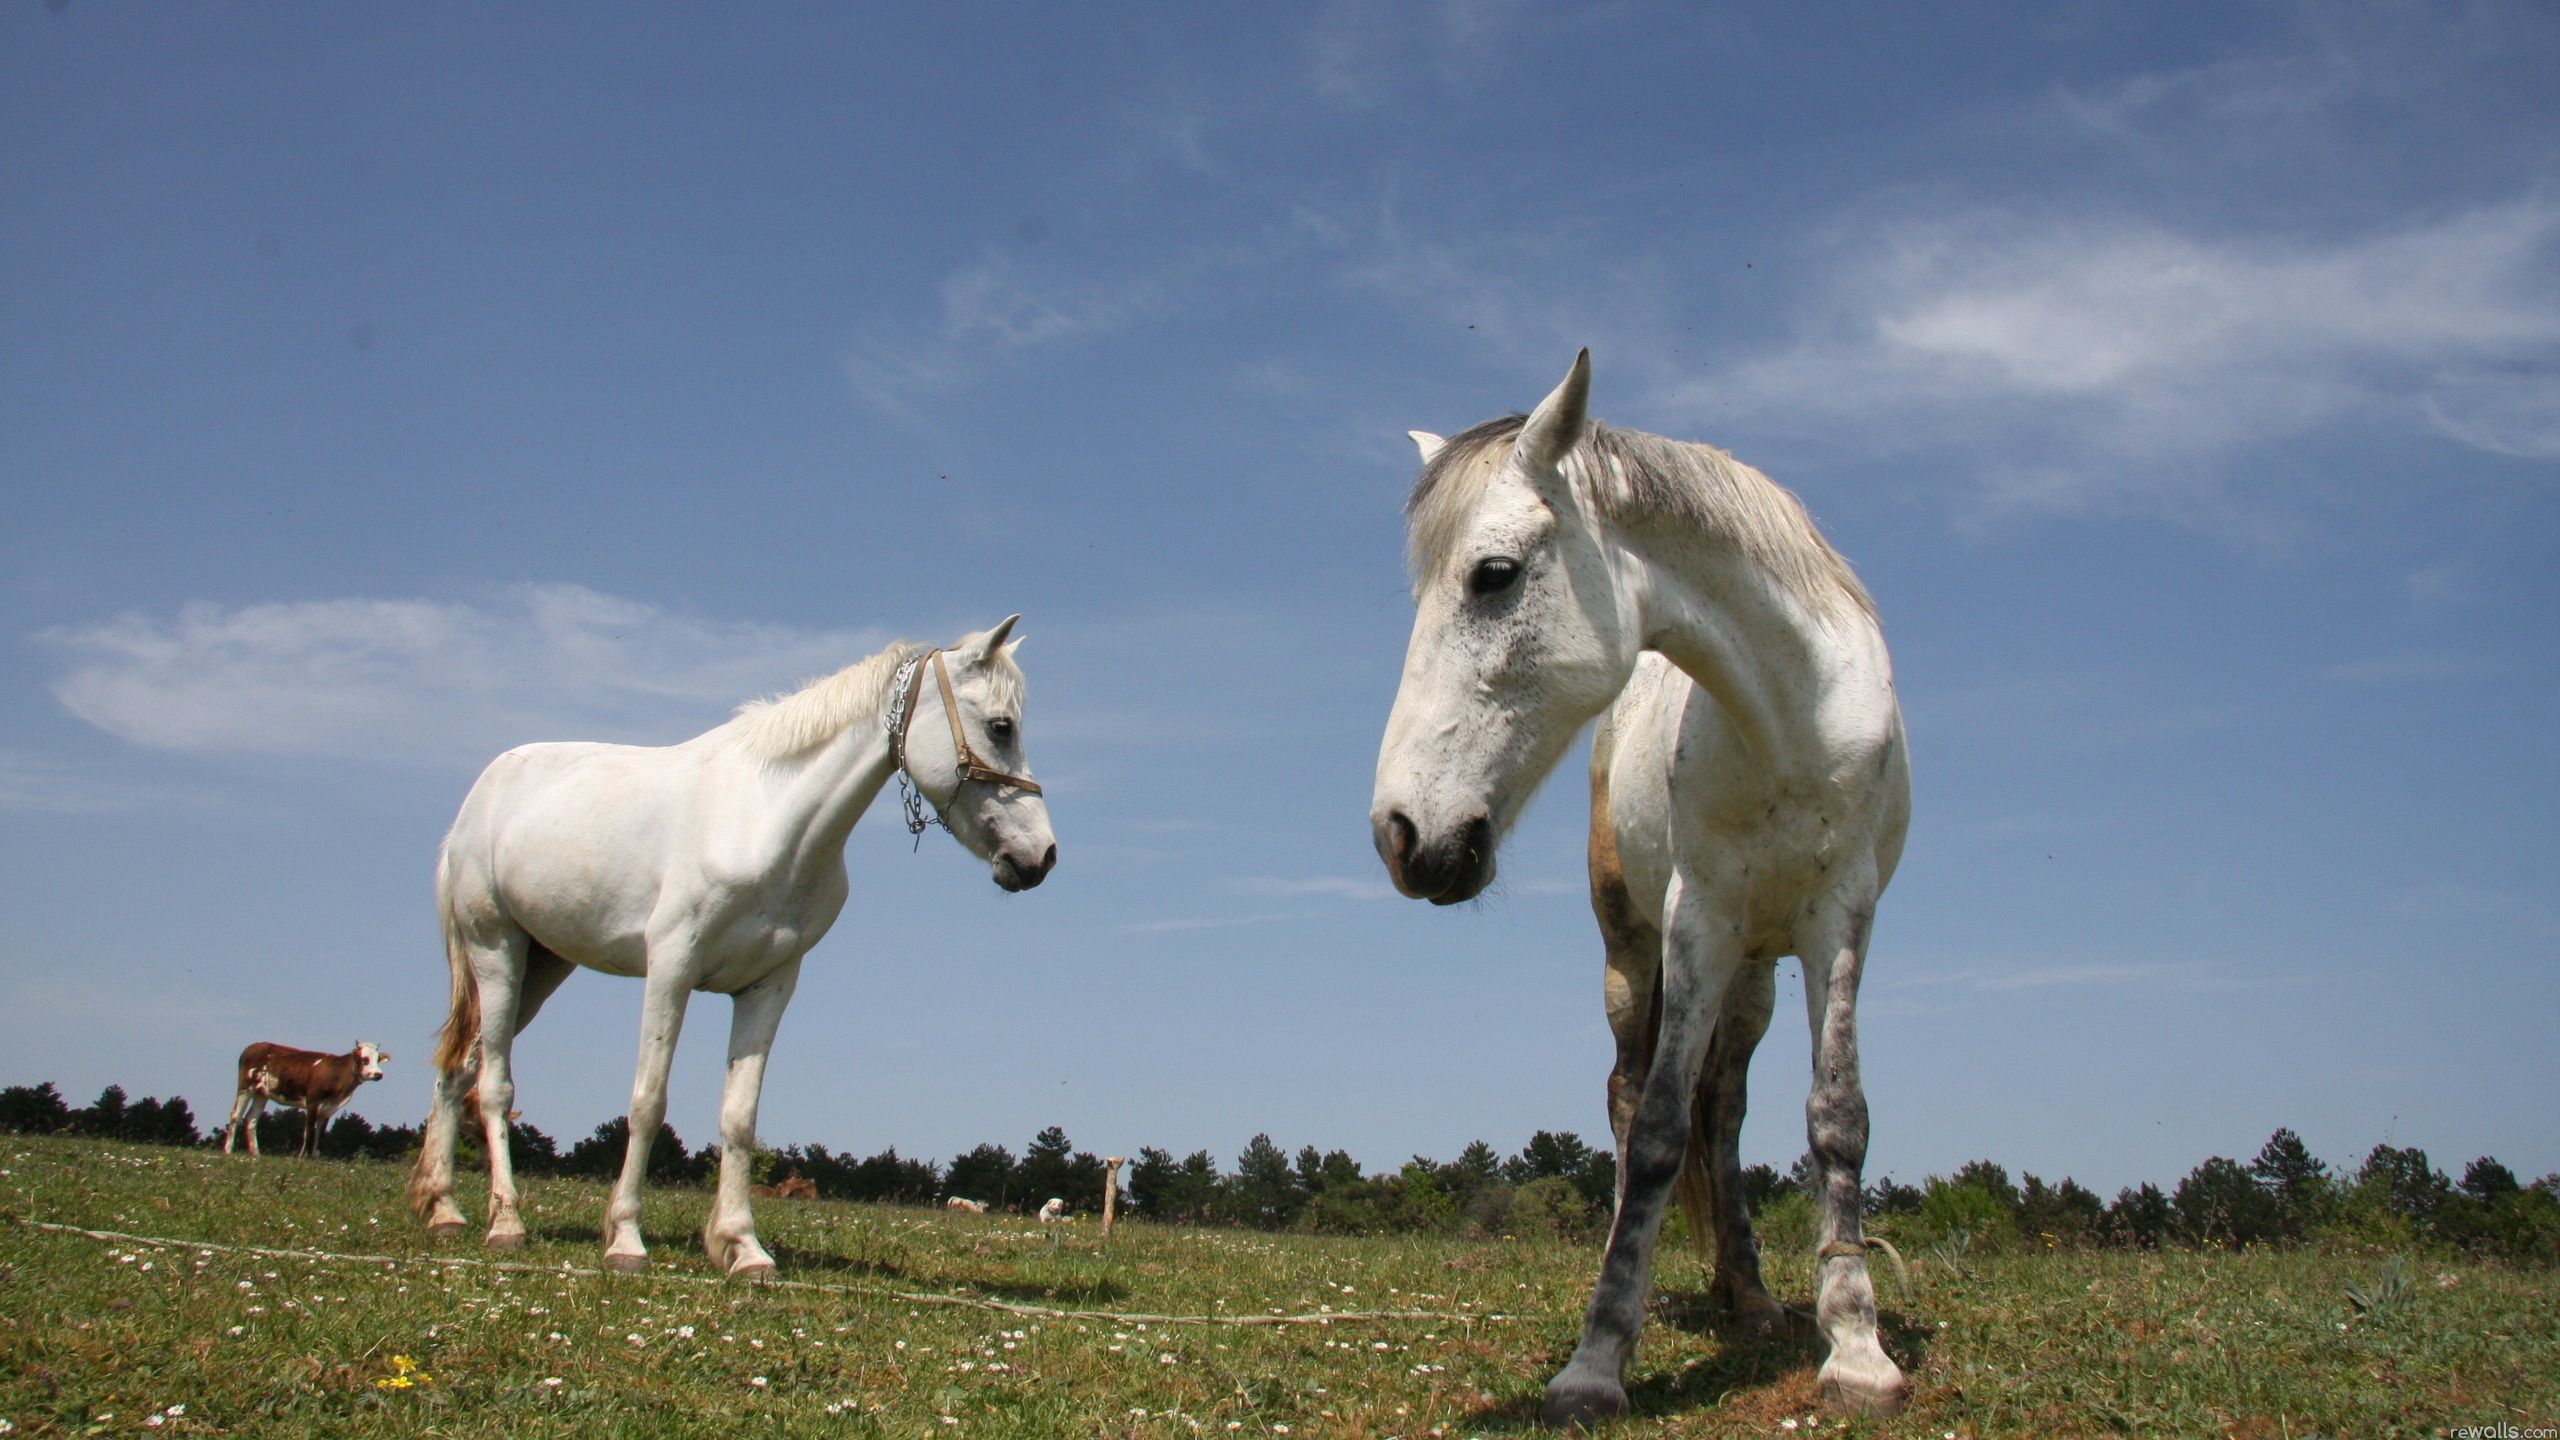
<point x="304" y="1080"/>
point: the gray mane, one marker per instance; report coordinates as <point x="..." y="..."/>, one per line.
<point x="1630" y="475"/>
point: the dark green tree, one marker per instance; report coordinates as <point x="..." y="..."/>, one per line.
<point x="1762" y="1184"/>
<point x="986" y="1175"/>
<point x="1549" y="1155"/>
<point x="1048" y="1169"/>
<point x="1992" y="1180"/>
<point x="2220" y="1200"/>
<point x="2489" y="1182"/>
<point x="600" y="1155"/>
<point x="2141" y="1216"/>
<point x="2295" y="1180"/>
<point x="33" y="1109"/>
<point x="2058" y="1215"/>
<point x="104" y="1118"/>
<point x="2399" y="1182"/>
<point x="1264" y="1192"/>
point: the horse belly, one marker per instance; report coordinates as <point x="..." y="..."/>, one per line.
<point x="575" y="853"/>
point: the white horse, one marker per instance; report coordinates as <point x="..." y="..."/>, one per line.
<point x="1750" y="791"/>
<point x="710" y="865"/>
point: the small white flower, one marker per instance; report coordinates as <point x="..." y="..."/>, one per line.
<point x="551" y="1382"/>
<point x="757" y="1382"/>
<point x="156" y="1421"/>
<point x="177" y="1410"/>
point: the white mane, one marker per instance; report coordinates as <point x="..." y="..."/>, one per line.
<point x="781" y="726"/>
<point x="778" y="727"/>
<point x="1630" y="474"/>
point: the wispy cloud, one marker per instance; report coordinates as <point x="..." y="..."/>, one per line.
<point x="2120" y="349"/>
<point x="1008" y="306"/>
<point x="426" y="681"/>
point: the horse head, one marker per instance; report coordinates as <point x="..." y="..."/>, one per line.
<point x="963" y="748"/>
<point x="1521" y="633"/>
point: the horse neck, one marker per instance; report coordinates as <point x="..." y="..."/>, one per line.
<point x="1778" y="667"/>
<point x="817" y="796"/>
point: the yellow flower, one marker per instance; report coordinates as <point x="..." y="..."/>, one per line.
<point x="405" y="1375"/>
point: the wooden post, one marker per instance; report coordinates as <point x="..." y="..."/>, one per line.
<point x="1110" y="1192"/>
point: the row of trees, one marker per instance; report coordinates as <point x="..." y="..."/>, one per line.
<point x="1555" y="1185"/>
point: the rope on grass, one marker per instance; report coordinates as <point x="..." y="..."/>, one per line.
<point x="911" y="1297"/>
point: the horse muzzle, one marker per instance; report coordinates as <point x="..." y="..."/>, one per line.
<point x="1022" y="872"/>
<point x="1445" y="869"/>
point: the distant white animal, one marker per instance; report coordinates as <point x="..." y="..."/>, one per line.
<point x="1054" y="1211"/>
<point x="965" y="1207"/>
<point x="712" y="865"/>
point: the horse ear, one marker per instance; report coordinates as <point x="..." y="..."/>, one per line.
<point x="1555" y="427"/>
<point x="987" y="646"/>
<point x="1426" y="442"/>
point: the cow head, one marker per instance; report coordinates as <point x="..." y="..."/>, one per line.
<point x="369" y="1060"/>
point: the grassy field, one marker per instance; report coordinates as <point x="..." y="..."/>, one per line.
<point x="890" y="1325"/>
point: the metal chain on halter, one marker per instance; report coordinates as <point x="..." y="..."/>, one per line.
<point x="910" y="795"/>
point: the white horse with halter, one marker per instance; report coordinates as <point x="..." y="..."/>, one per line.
<point x="713" y="865"/>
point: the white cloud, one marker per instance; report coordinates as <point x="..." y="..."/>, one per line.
<point x="2126" y="349"/>
<point x="2505" y="414"/>
<point x="427" y="681"/>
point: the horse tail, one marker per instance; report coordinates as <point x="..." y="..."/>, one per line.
<point x="455" y="1047"/>
<point x="1696" y="1189"/>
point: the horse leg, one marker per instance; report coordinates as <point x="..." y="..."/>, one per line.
<point x="1698" y="961"/>
<point x="1631" y="983"/>
<point x="1722" y="1095"/>
<point x="498" y="970"/>
<point x="661" y="1018"/>
<point x="240" y="1108"/>
<point x="431" y="1182"/>
<point x="755" y="1014"/>
<point x="1858" y="1378"/>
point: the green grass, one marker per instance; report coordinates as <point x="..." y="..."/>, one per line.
<point x="97" y="1336"/>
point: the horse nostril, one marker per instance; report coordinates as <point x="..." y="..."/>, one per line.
<point x="1049" y="859"/>
<point x="1479" y="837"/>
<point x="1402" y="836"/>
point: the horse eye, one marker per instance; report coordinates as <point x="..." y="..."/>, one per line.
<point x="1493" y="575"/>
<point x="1000" y="728"/>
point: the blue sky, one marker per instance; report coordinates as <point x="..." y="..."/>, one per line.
<point x="379" y="389"/>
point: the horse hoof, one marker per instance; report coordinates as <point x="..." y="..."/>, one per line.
<point x="505" y="1240"/>
<point x="1574" y="1401"/>
<point x="626" y="1264"/>
<point x="1759" y="1313"/>
<point x="1868" y="1386"/>
<point x="753" y="1270"/>
<point x="446" y="1229"/>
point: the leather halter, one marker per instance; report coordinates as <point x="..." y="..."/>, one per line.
<point x="902" y="711"/>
